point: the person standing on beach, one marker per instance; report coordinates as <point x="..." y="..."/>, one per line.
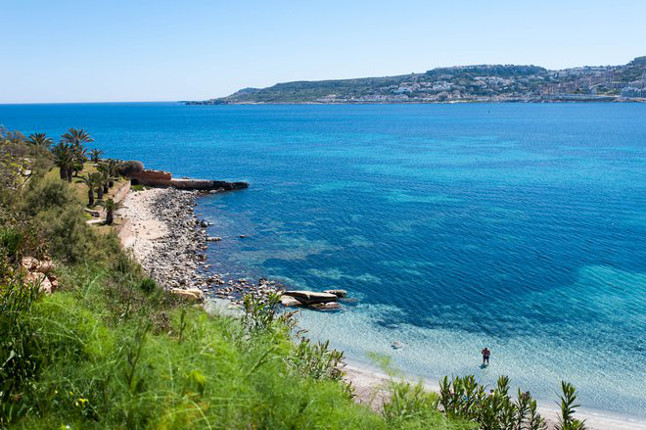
<point x="485" y="356"/>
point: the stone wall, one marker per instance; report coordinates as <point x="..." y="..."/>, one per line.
<point x="159" y="178"/>
<point x="151" y="177"/>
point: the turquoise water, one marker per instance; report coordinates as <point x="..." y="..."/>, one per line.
<point x="520" y="227"/>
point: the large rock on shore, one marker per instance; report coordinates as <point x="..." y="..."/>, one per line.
<point x="337" y="292"/>
<point x="329" y="306"/>
<point x="289" y="301"/>
<point x="311" y="297"/>
<point x="194" y="294"/>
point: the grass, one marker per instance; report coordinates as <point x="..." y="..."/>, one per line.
<point x="80" y="189"/>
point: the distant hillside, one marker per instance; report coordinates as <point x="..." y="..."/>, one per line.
<point x="482" y="83"/>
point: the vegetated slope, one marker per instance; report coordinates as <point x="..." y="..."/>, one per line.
<point x="462" y="83"/>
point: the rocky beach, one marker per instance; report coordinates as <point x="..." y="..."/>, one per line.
<point x="165" y="236"/>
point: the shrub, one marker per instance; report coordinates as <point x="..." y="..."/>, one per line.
<point x="411" y="405"/>
<point x="10" y="242"/>
<point x="568" y="408"/>
<point x="147" y="285"/>
<point x="19" y="350"/>
<point x="127" y="168"/>
<point x="45" y="194"/>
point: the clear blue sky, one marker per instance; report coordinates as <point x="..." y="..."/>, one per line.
<point x="139" y="50"/>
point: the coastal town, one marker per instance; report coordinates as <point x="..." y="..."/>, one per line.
<point x="482" y="83"/>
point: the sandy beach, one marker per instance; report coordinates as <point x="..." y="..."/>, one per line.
<point x="161" y="229"/>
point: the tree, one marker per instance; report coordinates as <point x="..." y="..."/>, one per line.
<point x="77" y="138"/>
<point x="92" y="180"/>
<point x="7" y="136"/>
<point x="113" y="166"/>
<point x="64" y="159"/>
<point x="95" y="155"/>
<point x="79" y="158"/>
<point x="104" y="171"/>
<point x="40" y="139"/>
<point x="110" y="206"/>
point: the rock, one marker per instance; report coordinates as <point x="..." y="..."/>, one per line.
<point x="242" y="236"/>
<point x="189" y="293"/>
<point x="29" y="263"/>
<point x="338" y="293"/>
<point x="46" y="285"/>
<point x="289" y="302"/>
<point x="32" y="264"/>
<point x="311" y="297"/>
<point x="45" y="266"/>
<point x="329" y="306"/>
<point x="40" y="279"/>
<point x="396" y="345"/>
<point x="204" y="224"/>
<point x="213" y="239"/>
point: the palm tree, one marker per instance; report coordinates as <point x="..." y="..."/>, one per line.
<point x="95" y="155"/>
<point x="77" y="138"/>
<point x="110" y="206"/>
<point x="112" y="168"/>
<point x="79" y="158"/>
<point x="104" y="177"/>
<point x="40" y="139"/>
<point x="64" y="159"/>
<point x="92" y="181"/>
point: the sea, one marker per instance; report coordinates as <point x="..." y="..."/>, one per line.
<point x="519" y="227"/>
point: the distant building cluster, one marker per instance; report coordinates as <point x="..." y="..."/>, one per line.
<point x="482" y="83"/>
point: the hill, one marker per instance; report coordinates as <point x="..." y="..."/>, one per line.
<point x="479" y="83"/>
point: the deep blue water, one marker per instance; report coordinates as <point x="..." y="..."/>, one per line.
<point x="520" y="227"/>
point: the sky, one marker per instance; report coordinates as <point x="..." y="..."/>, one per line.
<point x="140" y="50"/>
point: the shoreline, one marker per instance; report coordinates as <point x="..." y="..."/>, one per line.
<point x="369" y="381"/>
<point x="166" y="237"/>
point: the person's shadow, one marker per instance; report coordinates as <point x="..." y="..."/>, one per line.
<point x="483" y="366"/>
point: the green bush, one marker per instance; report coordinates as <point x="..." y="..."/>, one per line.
<point x="10" y="242"/>
<point x="19" y="350"/>
<point x="464" y="398"/>
<point x="148" y="285"/>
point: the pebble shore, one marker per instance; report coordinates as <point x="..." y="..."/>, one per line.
<point x="169" y="241"/>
